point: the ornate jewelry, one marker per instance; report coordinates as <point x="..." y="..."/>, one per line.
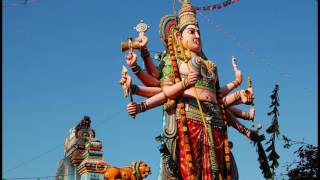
<point x="134" y="88"/>
<point x="136" y="69"/>
<point x="207" y="71"/>
<point x="142" y="107"/>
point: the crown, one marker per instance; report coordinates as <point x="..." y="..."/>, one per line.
<point x="187" y="15"/>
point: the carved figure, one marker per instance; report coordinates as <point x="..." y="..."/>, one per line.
<point x="137" y="171"/>
<point x="197" y="110"/>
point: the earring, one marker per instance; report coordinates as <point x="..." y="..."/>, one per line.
<point x="181" y="50"/>
<point x="188" y="54"/>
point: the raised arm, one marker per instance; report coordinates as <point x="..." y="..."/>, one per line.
<point x="242" y="114"/>
<point x="234" y="84"/>
<point x="150" y="66"/>
<point x="168" y="92"/>
<point x="239" y="97"/>
<point x="139" y="90"/>
<point x="143" y="76"/>
<point x="250" y="134"/>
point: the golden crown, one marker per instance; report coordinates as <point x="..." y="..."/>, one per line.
<point x="187" y="15"/>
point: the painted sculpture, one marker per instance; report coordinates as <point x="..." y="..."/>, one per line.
<point x="197" y="110"/>
<point x="138" y="170"/>
<point x="83" y="159"/>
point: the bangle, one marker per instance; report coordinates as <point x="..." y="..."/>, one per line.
<point x="185" y="83"/>
<point x="247" y="116"/>
<point x="237" y="95"/>
<point x="133" y="88"/>
<point x="245" y="131"/>
<point x="224" y="101"/>
<point x="136" y="69"/>
<point x="142" y="107"/>
<point x="145" y="106"/>
<point x="235" y="83"/>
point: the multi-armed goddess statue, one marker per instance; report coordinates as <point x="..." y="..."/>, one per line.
<point x="197" y="110"/>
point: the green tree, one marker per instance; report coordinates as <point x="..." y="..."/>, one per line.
<point x="307" y="166"/>
<point x="273" y="129"/>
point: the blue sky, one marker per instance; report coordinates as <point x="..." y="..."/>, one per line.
<point x="62" y="60"/>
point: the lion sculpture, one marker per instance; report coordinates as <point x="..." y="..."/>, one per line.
<point x="137" y="171"/>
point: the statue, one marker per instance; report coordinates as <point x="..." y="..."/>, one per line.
<point x="197" y="111"/>
<point x="83" y="158"/>
<point x="137" y="171"/>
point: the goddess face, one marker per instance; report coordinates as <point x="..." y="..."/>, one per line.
<point x="191" y="39"/>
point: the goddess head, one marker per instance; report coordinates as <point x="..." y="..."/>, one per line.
<point x="188" y="28"/>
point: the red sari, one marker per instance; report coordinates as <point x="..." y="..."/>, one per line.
<point x="200" y="149"/>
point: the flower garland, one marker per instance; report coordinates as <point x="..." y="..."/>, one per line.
<point x="182" y="124"/>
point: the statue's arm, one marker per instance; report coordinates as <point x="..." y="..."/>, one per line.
<point x="134" y="108"/>
<point x="168" y="92"/>
<point x="239" y="97"/>
<point x="142" y="75"/>
<point x="234" y="84"/>
<point x="150" y="66"/>
<point x="147" y="79"/>
<point x="253" y="135"/>
<point x="242" y="114"/>
<point x="229" y="87"/>
<point x="234" y="122"/>
<point x="146" y="91"/>
<point x="156" y="100"/>
<point x="126" y="81"/>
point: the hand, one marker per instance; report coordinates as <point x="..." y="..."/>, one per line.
<point x="252" y="113"/>
<point x="191" y="79"/>
<point x="126" y="81"/>
<point x="142" y="40"/>
<point x="132" y="109"/>
<point x="131" y="59"/>
<point x="254" y="136"/>
<point x="237" y="72"/>
<point x="247" y="96"/>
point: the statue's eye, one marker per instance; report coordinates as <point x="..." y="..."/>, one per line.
<point x="192" y="31"/>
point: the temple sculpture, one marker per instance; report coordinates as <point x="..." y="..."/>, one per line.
<point x="83" y="158"/>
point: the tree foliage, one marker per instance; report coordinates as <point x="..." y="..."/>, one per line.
<point x="263" y="161"/>
<point x="273" y="129"/>
<point x="306" y="167"/>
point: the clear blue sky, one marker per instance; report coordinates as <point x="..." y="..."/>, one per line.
<point x="62" y="60"/>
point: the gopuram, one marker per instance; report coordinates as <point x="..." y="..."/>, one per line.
<point x="83" y="159"/>
<point x="197" y="108"/>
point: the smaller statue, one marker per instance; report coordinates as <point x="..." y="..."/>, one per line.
<point x="137" y="171"/>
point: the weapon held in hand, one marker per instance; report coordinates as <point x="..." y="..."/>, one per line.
<point x="249" y="82"/>
<point x="130" y="45"/>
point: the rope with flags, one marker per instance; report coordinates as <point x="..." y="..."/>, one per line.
<point x="20" y="3"/>
<point x="216" y="6"/>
